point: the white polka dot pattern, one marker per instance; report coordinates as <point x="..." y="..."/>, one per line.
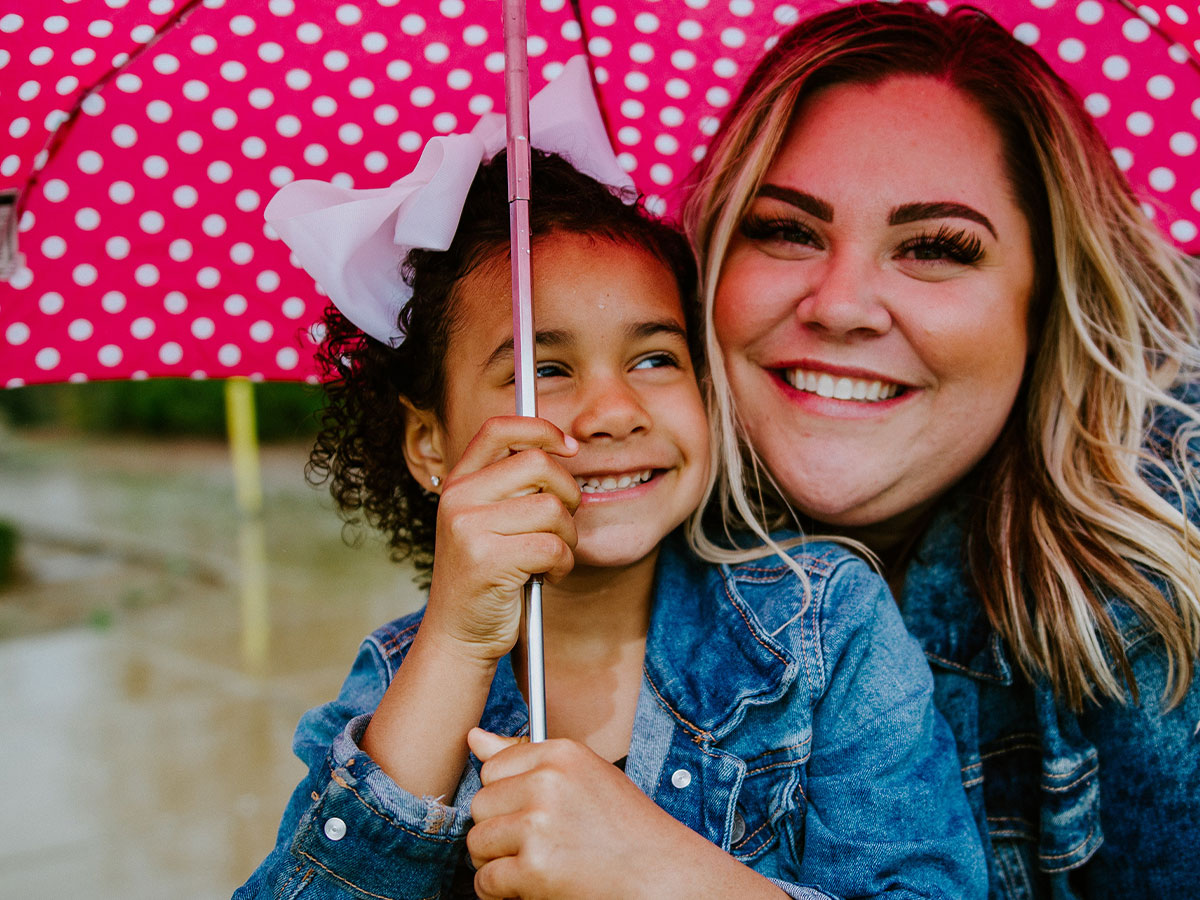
<point x="145" y="250"/>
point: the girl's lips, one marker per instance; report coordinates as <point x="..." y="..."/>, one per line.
<point x="622" y="486"/>
<point x="602" y="484"/>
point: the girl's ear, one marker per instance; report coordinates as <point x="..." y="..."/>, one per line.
<point x="423" y="446"/>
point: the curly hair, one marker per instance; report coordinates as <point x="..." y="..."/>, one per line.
<point x="358" y="447"/>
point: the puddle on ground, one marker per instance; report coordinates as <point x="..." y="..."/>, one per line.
<point x="150" y="759"/>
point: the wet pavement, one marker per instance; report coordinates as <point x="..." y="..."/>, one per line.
<point x="146" y="755"/>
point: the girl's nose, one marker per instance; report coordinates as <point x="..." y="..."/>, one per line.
<point x="610" y="408"/>
<point x="844" y="299"/>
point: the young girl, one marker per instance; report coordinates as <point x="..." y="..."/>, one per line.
<point x="714" y="731"/>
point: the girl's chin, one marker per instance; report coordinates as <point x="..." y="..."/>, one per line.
<point x="614" y="547"/>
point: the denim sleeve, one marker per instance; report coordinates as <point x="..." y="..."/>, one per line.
<point x="349" y="830"/>
<point x="887" y="814"/>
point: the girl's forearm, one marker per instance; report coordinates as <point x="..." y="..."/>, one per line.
<point x="418" y="733"/>
<point x="703" y="869"/>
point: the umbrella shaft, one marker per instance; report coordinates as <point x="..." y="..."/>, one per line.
<point x="536" y="667"/>
<point x="516" y="99"/>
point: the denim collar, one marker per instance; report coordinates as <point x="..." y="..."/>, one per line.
<point x="941" y="607"/>
<point x="697" y="612"/>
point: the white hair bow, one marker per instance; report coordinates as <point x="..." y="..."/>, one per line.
<point x="352" y="242"/>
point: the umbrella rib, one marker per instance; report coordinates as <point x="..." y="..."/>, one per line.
<point x="1133" y="10"/>
<point x="59" y="136"/>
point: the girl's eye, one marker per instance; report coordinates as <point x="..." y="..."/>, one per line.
<point x="658" y="361"/>
<point x="778" y="230"/>
<point x="550" y="370"/>
<point x="945" y="245"/>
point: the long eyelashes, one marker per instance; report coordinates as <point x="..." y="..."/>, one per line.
<point x="757" y="228"/>
<point x="958" y="245"/>
<point x="946" y="243"/>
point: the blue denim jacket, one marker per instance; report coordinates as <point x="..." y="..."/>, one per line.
<point x="807" y="746"/>
<point x="1101" y="804"/>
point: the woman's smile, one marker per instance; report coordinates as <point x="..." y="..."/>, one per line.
<point x="873" y="306"/>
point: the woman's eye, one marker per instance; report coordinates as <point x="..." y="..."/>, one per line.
<point x="778" y="230"/>
<point x="945" y="245"/>
<point x="550" y="370"/>
<point x="657" y="361"/>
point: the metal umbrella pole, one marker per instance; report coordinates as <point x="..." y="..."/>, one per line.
<point x="516" y="106"/>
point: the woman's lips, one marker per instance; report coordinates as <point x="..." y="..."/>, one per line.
<point x="832" y="394"/>
<point x="840" y="387"/>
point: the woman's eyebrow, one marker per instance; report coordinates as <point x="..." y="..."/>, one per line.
<point x="814" y="206"/>
<point x="916" y="212"/>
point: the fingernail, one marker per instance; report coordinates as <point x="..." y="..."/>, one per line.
<point x="571" y="443"/>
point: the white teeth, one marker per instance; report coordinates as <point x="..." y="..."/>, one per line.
<point x="607" y="483"/>
<point x="825" y="385"/>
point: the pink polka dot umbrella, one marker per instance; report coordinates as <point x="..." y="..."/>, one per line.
<point x="144" y="138"/>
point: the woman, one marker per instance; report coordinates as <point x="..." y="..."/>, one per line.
<point x="945" y="329"/>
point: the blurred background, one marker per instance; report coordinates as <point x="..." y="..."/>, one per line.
<point x="153" y="662"/>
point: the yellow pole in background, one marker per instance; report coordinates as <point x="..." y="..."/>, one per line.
<point x="252" y="550"/>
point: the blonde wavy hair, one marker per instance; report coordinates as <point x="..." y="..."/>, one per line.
<point x="1073" y="516"/>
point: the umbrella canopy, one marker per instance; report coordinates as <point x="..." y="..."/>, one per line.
<point x="145" y="136"/>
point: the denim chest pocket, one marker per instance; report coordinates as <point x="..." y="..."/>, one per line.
<point x="1007" y="776"/>
<point x="1042" y="816"/>
<point x="770" y="804"/>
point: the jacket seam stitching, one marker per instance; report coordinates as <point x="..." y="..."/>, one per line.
<point x="750" y="628"/>
<point x="1066" y="787"/>
<point x="745" y="840"/>
<point x="356" y="887"/>
<point x="1072" y="852"/>
<point x="393" y="641"/>
<point x="699" y="732"/>
<point x="774" y="765"/>
<point x="965" y="669"/>
<point x="371" y="809"/>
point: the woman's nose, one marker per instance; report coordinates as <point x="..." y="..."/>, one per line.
<point x="610" y="408"/>
<point x="844" y="300"/>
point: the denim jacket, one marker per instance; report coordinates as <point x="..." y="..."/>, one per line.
<point x="1101" y="804"/>
<point x="803" y="743"/>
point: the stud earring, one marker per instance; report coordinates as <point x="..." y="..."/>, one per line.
<point x="437" y="481"/>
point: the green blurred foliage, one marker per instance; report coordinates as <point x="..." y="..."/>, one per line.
<point x="161" y="406"/>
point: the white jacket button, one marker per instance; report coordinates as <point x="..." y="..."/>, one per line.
<point x="335" y="829"/>
<point x="681" y="778"/>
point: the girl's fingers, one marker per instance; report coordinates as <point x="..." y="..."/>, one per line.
<point x="530" y="535"/>
<point x="501" y="436"/>
<point x="498" y="879"/>
<point x="511" y="516"/>
<point x="491" y="839"/>
<point x="486" y="744"/>
<point x="528" y="471"/>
